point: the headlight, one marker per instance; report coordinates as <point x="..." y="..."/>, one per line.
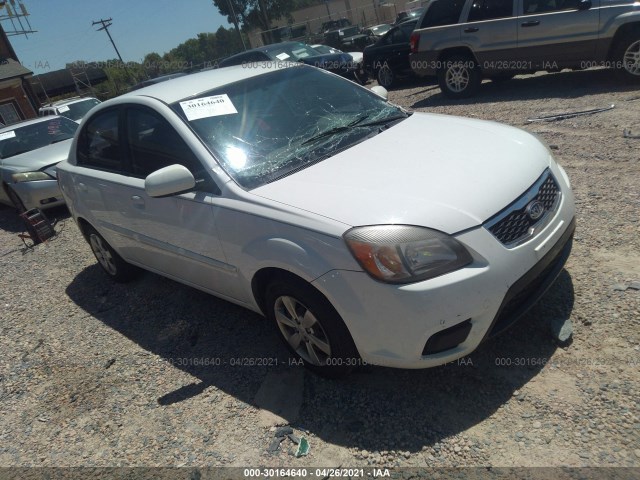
<point x="405" y="254"/>
<point x="29" y="177"/>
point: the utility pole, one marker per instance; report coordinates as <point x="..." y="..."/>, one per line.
<point x="105" y="26"/>
<point x="235" y="22"/>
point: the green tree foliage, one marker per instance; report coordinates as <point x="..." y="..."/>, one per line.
<point x="255" y="13"/>
<point x="194" y="54"/>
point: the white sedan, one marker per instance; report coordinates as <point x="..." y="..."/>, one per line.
<point x="364" y="232"/>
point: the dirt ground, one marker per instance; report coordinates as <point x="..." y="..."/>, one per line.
<point x="152" y="373"/>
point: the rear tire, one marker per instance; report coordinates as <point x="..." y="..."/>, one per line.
<point x="385" y="76"/>
<point x="311" y="328"/>
<point x="626" y="55"/>
<point x="459" y="76"/>
<point x="112" y="263"/>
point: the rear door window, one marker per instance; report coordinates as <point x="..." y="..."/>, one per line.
<point x="490" y="9"/>
<point x="442" y="12"/>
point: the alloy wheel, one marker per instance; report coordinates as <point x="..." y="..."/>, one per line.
<point x="103" y="254"/>
<point x="385" y="76"/>
<point x="457" y="78"/>
<point x="631" y="58"/>
<point x="302" y="330"/>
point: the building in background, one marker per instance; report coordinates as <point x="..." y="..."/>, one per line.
<point x="17" y="99"/>
<point x="78" y="80"/>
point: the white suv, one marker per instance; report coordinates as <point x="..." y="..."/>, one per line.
<point x="366" y="233"/>
<point x="74" y="109"/>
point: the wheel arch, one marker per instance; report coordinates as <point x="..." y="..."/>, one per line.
<point x="448" y="52"/>
<point x="84" y="226"/>
<point x="622" y="32"/>
<point x="263" y="277"/>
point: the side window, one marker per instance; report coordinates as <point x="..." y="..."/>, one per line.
<point x="99" y="145"/>
<point x="490" y="9"/>
<point x="442" y="12"/>
<point x="542" y="6"/>
<point x="154" y="144"/>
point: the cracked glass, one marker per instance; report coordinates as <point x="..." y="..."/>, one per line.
<point x="287" y="120"/>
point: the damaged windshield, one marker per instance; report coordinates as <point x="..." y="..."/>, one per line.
<point x="269" y="126"/>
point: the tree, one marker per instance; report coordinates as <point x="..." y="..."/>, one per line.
<point x="255" y="13"/>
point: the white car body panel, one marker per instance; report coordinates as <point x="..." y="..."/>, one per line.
<point x="446" y="173"/>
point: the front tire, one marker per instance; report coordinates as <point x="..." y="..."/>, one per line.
<point x="15" y="199"/>
<point x="112" y="263"/>
<point x="311" y="328"/>
<point x="459" y="76"/>
<point x="361" y="77"/>
<point x="626" y="55"/>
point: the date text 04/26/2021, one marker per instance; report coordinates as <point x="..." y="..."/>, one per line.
<point x="371" y="472"/>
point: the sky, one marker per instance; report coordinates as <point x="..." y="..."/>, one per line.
<point x="65" y="34"/>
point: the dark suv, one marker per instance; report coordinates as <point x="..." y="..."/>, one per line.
<point x="462" y="41"/>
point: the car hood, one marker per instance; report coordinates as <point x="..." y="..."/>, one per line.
<point x="444" y="172"/>
<point x="38" y="159"/>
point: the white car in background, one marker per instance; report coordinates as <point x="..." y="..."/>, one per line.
<point x="364" y="232"/>
<point x="74" y="108"/>
<point x="29" y="153"/>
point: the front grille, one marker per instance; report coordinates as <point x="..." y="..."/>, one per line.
<point x="516" y="223"/>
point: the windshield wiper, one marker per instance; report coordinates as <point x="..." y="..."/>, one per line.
<point x="383" y="121"/>
<point x="334" y="130"/>
<point x="356" y="123"/>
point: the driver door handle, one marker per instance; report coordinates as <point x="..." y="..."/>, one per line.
<point x="471" y="29"/>
<point x="531" y="23"/>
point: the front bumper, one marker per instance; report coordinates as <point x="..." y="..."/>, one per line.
<point x="391" y="325"/>
<point x="40" y="194"/>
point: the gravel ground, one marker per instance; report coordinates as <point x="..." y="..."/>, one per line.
<point x="94" y="373"/>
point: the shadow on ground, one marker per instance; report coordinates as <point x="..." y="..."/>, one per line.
<point x="11" y="222"/>
<point x="421" y="407"/>
<point x="565" y="85"/>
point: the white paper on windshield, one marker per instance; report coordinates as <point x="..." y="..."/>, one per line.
<point x="63" y="109"/>
<point x="208" y="107"/>
<point x="5" y="135"/>
<point x="282" y="56"/>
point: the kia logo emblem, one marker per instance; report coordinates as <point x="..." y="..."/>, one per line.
<point x="535" y="210"/>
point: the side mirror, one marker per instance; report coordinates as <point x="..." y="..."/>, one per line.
<point x="169" y="181"/>
<point x="584" y="4"/>
<point x="380" y="91"/>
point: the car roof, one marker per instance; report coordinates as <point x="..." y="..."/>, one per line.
<point x="24" y="123"/>
<point x="190" y="85"/>
<point x="69" y="101"/>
